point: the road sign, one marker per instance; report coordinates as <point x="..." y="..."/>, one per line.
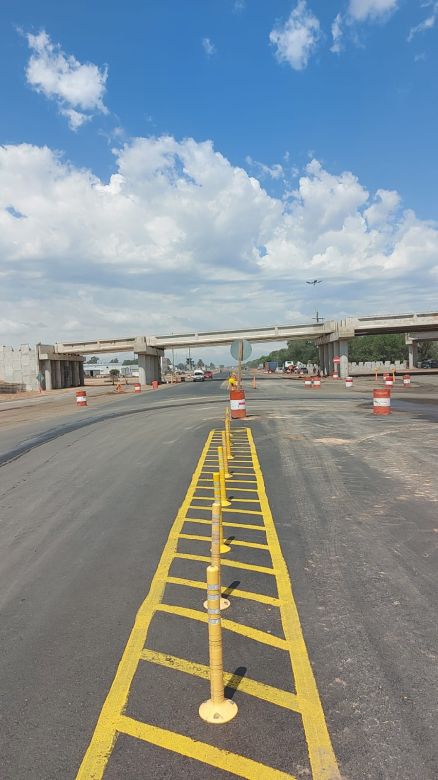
<point x="336" y="359"/>
<point x="241" y="349"/>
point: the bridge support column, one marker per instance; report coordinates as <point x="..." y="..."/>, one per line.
<point x="81" y="374"/>
<point x="48" y="374"/>
<point x="149" y="368"/>
<point x="58" y="380"/>
<point x="413" y="354"/>
<point x="76" y="378"/>
<point x="331" y="354"/>
<point x="343" y="354"/>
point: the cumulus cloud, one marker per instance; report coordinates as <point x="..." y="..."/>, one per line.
<point x="364" y="10"/>
<point x="78" y="88"/>
<point x="296" y="39"/>
<point x="176" y="226"/>
<point x="275" y="171"/>
<point x="208" y="47"/>
<point x="427" y="24"/>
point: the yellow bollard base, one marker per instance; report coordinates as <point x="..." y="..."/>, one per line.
<point x="224" y="604"/>
<point x="218" y="713"/>
<point x="228" y="475"/>
<point x="226" y="503"/>
<point x="224" y="549"/>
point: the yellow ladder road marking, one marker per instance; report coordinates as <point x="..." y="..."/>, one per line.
<point x="232" y="564"/>
<point x="239" y="490"/>
<point x="241" y="594"/>
<point x="237" y="628"/>
<point x="234" y="542"/>
<point x="237" y="511"/>
<point x="201" y="751"/>
<point x="305" y="701"/>
<point x="246" y="685"/>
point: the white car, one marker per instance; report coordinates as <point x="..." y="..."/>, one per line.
<point x="198" y="375"/>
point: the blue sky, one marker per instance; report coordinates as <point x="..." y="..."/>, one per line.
<point x="310" y="155"/>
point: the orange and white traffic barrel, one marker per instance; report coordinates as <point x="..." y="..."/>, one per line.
<point x="137" y="387"/>
<point x="307" y="382"/>
<point x="406" y="380"/>
<point x="348" y="382"/>
<point x="237" y="403"/>
<point x="155" y="384"/>
<point x="316" y="382"/>
<point x="335" y="375"/>
<point x="382" y="401"/>
<point x="389" y="381"/>
<point x="81" y="398"/>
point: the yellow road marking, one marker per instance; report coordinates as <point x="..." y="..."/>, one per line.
<point x="201" y="751"/>
<point x="232" y="564"/>
<point x="237" y="628"/>
<point x="321" y="755"/>
<point x="237" y="511"/>
<point x="241" y="594"/>
<point x="235" y="542"/>
<point x="229" y="525"/>
<point x="111" y="721"/>
<point x="241" y="500"/>
<point x="244" y="684"/>
<point x="239" y="490"/>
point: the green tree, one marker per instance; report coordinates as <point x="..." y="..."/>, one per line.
<point x="114" y="373"/>
<point x="390" y="346"/>
<point x="200" y="363"/>
<point x="130" y="362"/>
<point x="427" y="350"/>
<point x="93" y="359"/>
<point x="114" y="360"/>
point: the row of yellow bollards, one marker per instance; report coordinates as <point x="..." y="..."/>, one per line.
<point x="218" y="709"/>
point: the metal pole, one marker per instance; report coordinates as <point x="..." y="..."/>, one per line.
<point x="239" y="366"/>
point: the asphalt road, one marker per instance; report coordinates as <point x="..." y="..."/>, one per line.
<point x="87" y="499"/>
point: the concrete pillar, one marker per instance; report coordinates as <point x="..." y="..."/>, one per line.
<point x="413" y="354"/>
<point x="68" y="377"/>
<point x="81" y="374"/>
<point x="58" y="375"/>
<point x="321" y="357"/>
<point x="343" y="354"/>
<point x="149" y="368"/>
<point x="331" y="354"/>
<point x="326" y="359"/>
<point x="47" y="374"/>
<point x="75" y="367"/>
<point x="142" y="368"/>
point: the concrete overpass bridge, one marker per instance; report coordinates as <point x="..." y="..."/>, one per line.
<point x="331" y="338"/>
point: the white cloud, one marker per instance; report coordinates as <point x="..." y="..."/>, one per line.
<point x="84" y="257"/>
<point x="337" y="33"/>
<point x="364" y="10"/>
<point x="239" y="6"/>
<point x="77" y="88"/>
<point x="208" y="47"/>
<point x="297" y="38"/>
<point x="426" y="24"/>
<point x="275" y="171"/>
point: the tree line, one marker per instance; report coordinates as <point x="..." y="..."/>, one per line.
<point x="390" y="347"/>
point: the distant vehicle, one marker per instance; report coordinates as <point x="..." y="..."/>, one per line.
<point x="198" y="375"/>
<point x="208" y="374"/>
<point x="429" y="363"/>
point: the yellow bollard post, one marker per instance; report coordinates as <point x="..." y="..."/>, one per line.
<point x="224" y="499"/>
<point x="225" y="454"/>
<point x="230" y="455"/>
<point x="217" y="543"/>
<point x="217" y="709"/>
<point x="393" y="374"/>
<point x="376" y="372"/>
<point x="228" y="419"/>
<point x="223" y="548"/>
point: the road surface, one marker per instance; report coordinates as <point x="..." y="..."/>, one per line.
<point x="87" y="501"/>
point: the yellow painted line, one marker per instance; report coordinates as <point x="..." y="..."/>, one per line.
<point x="239" y="490"/>
<point x="229" y="625"/>
<point x="230" y="525"/>
<point x="240" y="500"/>
<point x="231" y="564"/>
<point x="105" y="734"/>
<point x="241" y="594"/>
<point x="243" y="684"/>
<point x="200" y="751"/>
<point x="322" y="758"/>
<point x="234" y="542"/>
<point x="241" y="511"/>
<point x="230" y="481"/>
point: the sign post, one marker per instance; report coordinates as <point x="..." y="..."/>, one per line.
<point x="240" y="351"/>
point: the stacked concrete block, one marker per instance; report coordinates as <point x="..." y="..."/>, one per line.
<point x="19" y="367"/>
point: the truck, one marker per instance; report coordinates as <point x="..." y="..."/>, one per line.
<point x="271" y="365"/>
